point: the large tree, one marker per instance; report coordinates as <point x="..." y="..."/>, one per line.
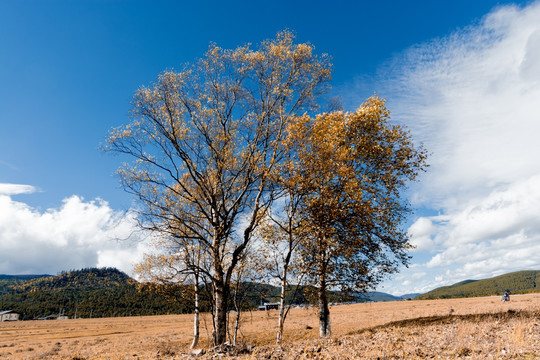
<point x="205" y="142"/>
<point x="350" y="171"/>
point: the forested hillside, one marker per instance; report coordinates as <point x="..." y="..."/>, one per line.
<point x="21" y="277"/>
<point x="86" y="293"/>
<point x="520" y="282"/>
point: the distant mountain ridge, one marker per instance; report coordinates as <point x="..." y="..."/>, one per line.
<point x="409" y="296"/>
<point x="378" y="296"/>
<point x="519" y="282"/>
<point x="89" y="278"/>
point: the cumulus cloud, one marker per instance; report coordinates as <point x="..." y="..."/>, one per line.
<point x="78" y="234"/>
<point x="501" y="233"/>
<point x="472" y="99"/>
<point x="421" y="234"/>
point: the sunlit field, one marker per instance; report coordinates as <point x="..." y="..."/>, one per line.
<point x="470" y="328"/>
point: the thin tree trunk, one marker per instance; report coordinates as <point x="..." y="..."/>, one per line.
<point x="289" y="229"/>
<point x="236" y="326"/>
<point x="196" y="321"/>
<point x="237" y="308"/>
<point x="281" y="319"/>
<point x="324" y="311"/>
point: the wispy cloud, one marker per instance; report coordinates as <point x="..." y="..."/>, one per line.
<point x="77" y="234"/>
<point x="472" y="98"/>
<point x="15" y="189"/>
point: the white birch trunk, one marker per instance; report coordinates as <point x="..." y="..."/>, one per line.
<point x="196" y="321"/>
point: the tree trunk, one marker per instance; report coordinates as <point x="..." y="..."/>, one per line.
<point x="281" y="319"/>
<point x="236" y="326"/>
<point x="196" y="321"/>
<point x="220" y="313"/>
<point x="237" y="308"/>
<point x="324" y="311"/>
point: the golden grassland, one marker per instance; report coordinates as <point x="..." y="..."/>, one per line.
<point x="475" y="328"/>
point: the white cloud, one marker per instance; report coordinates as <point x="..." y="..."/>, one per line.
<point x="421" y="233"/>
<point x="78" y="234"/>
<point x="473" y="99"/>
<point x="15" y="189"/>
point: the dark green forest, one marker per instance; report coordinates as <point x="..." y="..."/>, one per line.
<point x="84" y="293"/>
<point x="520" y="282"/>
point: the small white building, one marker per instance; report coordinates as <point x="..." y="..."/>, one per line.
<point x="9" y="315"/>
<point x="270" y="306"/>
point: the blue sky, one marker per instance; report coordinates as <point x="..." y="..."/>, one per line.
<point x="462" y="75"/>
<point x="69" y="68"/>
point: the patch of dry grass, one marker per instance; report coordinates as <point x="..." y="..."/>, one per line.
<point x="474" y="328"/>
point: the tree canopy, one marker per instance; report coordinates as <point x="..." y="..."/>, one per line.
<point x="206" y="142"/>
<point x="213" y="146"/>
<point x="350" y="170"/>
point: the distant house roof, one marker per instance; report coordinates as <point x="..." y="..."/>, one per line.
<point x="8" y="312"/>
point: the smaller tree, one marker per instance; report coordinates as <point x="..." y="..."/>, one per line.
<point x="281" y="238"/>
<point x="247" y="274"/>
<point x="352" y="169"/>
<point x="174" y="266"/>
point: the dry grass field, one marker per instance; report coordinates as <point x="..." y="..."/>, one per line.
<point x="475" y="328"/>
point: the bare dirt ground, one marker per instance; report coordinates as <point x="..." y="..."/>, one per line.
<point x="474" y="328"/>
